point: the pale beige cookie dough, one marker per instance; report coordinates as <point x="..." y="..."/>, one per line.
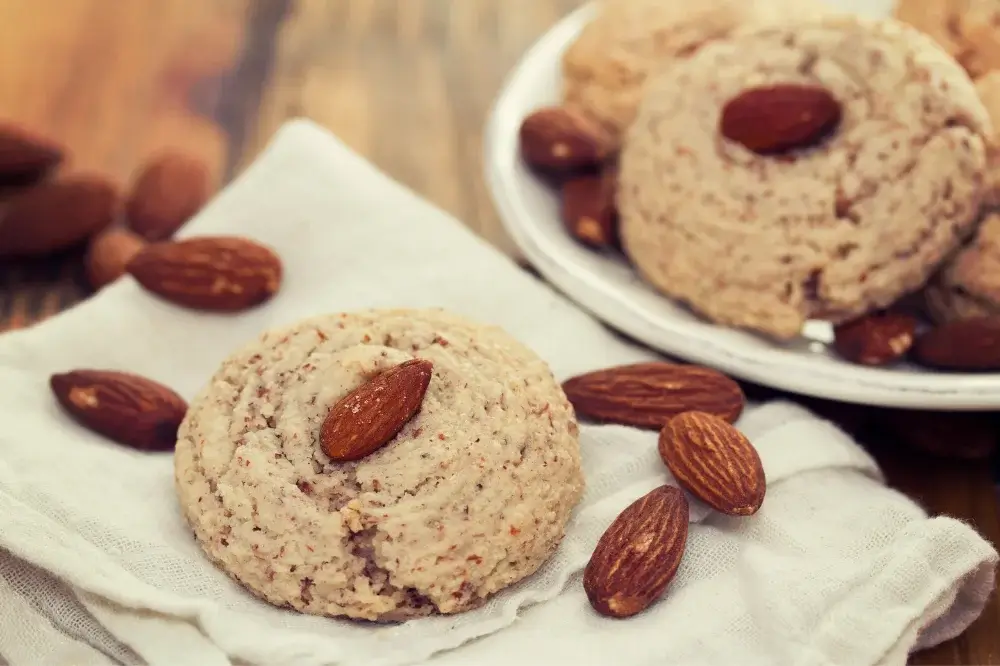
<point x="969" y="30"/>
<point x="834" y="231"/>
<point x="969" y="285"/>
<point x="606" y="66"/>
<point x="473" y="495"/>
<point x="988" y="87"/>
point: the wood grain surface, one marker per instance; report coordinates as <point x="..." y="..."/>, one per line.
<point x="407" y="83"/>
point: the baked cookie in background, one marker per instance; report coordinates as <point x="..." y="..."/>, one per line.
<point x="969" y="30"/>
<point x="765" y="242"/>
<point x="969" y="285"/>
<point x="988" y="87"/>
<point x="472" y="495"/>
<point x="605" y="68"/>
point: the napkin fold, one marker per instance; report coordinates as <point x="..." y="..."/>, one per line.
<point x="98" y="567"/>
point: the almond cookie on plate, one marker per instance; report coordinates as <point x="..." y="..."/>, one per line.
<point x="969" y="285"/>
<point x="472" y="495"/>
<point x="605" y="68"/>
<point x="825" y="231"/>
<point x="969" y="30"/>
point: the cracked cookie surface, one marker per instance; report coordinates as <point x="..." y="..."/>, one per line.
<point x="605" y="68"/>
<point x="831" y="232"/>
<point x="471" y="496"/>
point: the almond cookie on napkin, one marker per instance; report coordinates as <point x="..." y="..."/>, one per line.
<point x="472" y="495"/>
<point x="605" y="68"/>
<point x="829" y="230"/>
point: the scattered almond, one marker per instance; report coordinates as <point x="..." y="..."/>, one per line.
<point x="56" y="215"/>
<point x="126" y="408"/>
<point x="560" y="140"/>
<point x="168" y="191"/>
<point x="108" y="254"/>
<point x="218" y="273"/>
<point x="25" y="156"/>
<point x="639" y="554"/>
<point x="966" y="344"/>
<point x="588" y="209"/>
<point x="876" y="339"/>
<point x="371" y="415"/>
<point x="715" y="462"/>
<point x="648" y="395"/>
<point x="777" y="118"/>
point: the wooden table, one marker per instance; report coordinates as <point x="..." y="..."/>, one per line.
<point x="407" y="83"/>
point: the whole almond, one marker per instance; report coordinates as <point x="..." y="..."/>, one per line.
<point x="715" y="462"/>
<point x="588" y="209"/>
<point x="168" y="191"/>
<point x="777" y="118"/>
<point x="876" y="339"/>
<point x="371" y="415"/>
<point x="126" y="408"/>
<point x="56" y="215"/>
<point x="955" y="435"/>
<point x="560" y="140"/>
<point x="25" y="156"/>
<point x="638" y="555"/>
<point x="218" y="273"/>
<point x="108" y="254"/>
<point x="648" y="395"/>
<point x="966" y="344"/>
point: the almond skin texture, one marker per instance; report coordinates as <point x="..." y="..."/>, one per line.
<point x="966" y="344"/>
<point x="777" y="118"/>
<point x="559" y="140"/>
<point x="126" y="408"/>
<point x="639" y="554"/>
<point x="108" y="254"/>
<point x="367" y="418"/>
<point x="715" y="462"/>
<point x="56" y="215"/>
<point x="648" y="395"/>
<point x="216" y="273"/>
<point x="877" y="339"/>
<point x="25" y="156"/>
<point x="167" y="193"/>
<point x="588" y="209"/>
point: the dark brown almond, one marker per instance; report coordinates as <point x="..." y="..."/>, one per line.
<point x="369" y="417"/>
<point x="647" y="395"/>
<point x="25" y="156"/>
<point x="875" y="339"/>
<point x="108" y="254"/>
<point x="639" y="554"/>
<point x="715" y="462"/>
<point x="777" y="118"/>
<point x="126" y="408"/>
<point x="588" y="209"/>
<point x="561" y="140"/>
<point x="955" y="435"/>
<point x="56" y="215"/>
<point x="966" y="344"/>
<point x="168" y="191"/>
<point x="218" y="273"/>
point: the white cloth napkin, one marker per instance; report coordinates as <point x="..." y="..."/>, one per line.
<point x="97" y="566"/>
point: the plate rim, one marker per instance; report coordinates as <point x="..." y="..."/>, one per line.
<point x="855" y="384"/>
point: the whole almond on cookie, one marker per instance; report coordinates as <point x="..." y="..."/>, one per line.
<point x="108" y="254"/>
<point x="126" y="408"/>
<point x="218" y="273"/>
<point x="56" y="215"/>
<point x="560" y="139"/>
<point x="169" y="190"/>
<point x="25" y="156"/>
<point x="876" y="339"/>
<point x="966" y="344"/>
<point x="588" y="209"/>
<point x="648" y="395"/>
<point x="638" y="555"/>
<point x="776" y="118"/>
<point x="715" y="462"/>
<point x="370" y="416"/>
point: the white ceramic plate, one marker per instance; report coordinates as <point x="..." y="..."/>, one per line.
<point x="606" y="286"/>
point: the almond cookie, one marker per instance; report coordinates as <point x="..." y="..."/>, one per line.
<point x="969" y="285"/>
<point x="988" y="87"/>
<point x="472" y="495"/>
<point x="969" y="30"/>
<point x="765" y="242"/>
<point x="605" y="68"/>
